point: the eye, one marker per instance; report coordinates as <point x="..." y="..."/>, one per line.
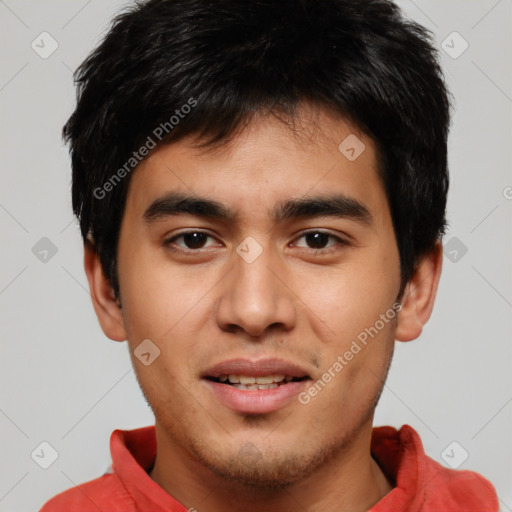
<point x="192" y="240"/>
<point x="318" y="240"/>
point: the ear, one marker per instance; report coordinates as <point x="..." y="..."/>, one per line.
<point x="419" y="295"/>
<point x="107" y="308"/>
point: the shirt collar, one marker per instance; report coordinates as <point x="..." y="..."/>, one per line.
<point x="133" y="454"/>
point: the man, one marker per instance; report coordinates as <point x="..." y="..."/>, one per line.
<point x="261" y="187"/>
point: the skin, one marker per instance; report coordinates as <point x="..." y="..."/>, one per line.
<point x="296" y="301"/>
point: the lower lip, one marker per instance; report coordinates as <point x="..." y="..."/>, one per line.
<point x="261" y="401"/>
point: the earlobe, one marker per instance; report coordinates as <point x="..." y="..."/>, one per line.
<point x="105" y="305"/>
<point x="419" y="295"/>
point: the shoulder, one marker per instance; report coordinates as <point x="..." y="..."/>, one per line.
<point x="448" y="489"/>
<point x="98" y="494"/>
<point x="424" y="484"/>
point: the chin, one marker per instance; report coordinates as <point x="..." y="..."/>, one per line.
<point x="268" y="470"/>
<point x="262" y="473"/>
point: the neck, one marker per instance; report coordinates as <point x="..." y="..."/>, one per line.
<point x="350" y="481"/>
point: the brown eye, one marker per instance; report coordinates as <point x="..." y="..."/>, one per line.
<point x="194" y="240"/>
<point x="318" y="240"/>
<point x="191" y="240"/>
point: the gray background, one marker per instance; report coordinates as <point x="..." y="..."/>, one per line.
<point x="63" y="382"/>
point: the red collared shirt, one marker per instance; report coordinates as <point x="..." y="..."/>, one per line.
<point x="421" y="484"/>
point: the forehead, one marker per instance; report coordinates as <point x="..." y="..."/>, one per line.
<point x="309" y="130"/>
<point x="270" y="160"/>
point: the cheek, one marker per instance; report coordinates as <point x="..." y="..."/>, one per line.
<point x="356" y="302"/>
<point x="344" y="301"/>
<point x="167" y="306"/>
<point x="353" y="378"/>
<point x="156" y="296"/>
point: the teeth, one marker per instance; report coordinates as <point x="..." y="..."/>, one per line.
<point x="248" y="380"/>
<point x="251" y="387"/>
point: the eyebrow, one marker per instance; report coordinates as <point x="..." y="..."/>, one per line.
<point x="332" y="205"/>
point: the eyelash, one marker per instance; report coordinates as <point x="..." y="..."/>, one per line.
<point x="341" y="242"/>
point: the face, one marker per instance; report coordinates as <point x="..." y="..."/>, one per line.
<point x="264" y="288"/>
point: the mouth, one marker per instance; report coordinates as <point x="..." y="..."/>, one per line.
<point x="252" y="383"/>
<point x="255" y="387"/>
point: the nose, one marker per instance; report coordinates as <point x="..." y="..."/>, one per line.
<point x="256" y="297"/>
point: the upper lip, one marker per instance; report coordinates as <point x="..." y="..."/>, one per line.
<point x="256" y="368"/>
